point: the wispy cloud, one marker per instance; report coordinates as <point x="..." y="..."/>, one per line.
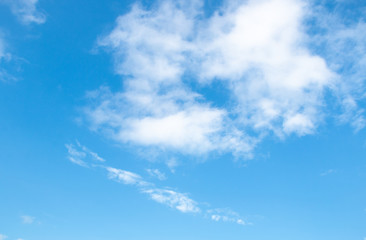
<point x="79" y="154"/>
<point x="75" y="156"/>
<point x="172" y="163"/>
<point x="226" y="215"/>
<point x="125" y="177"/>
<point x="329" y="171"/>
<point x="167" y="197"/>
<point x="163" y="195"/>
<point x="7" y="63"/>
<point x="2" y="48"/>
<point x="258" y="50"/>
<point x="27" y="219"/>
<point x="343" y="45"/>
<point x="156" y="173"/>
<point x="3" y="237"/>
<point x="173" y="199"/>
<point x="26" y="11"/>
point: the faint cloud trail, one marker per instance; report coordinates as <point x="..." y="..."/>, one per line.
<point x="80" y="155"/>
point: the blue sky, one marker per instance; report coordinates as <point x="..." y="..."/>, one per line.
<point x="182" y="120"/>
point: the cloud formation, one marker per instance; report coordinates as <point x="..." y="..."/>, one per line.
<point x="174" y="199"/>
<point x="156" y="173"/>
<point x="77" y="154"/>
<point x="5" y="60"/>
<point x="343" y="45"/>
<point x="259" y="51"/>
<point x="226" y="215"/>
<point x="168" y="197"/>
<point x="26" y="11"/>
<point x="3" y="237"/>
<point x="27" y="219"/>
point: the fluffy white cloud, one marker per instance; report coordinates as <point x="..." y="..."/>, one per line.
<point x="28" y="219"/>
<point x="26" y="11"/>
<point x="259" y="51"/>
<point x="173" y="121"/>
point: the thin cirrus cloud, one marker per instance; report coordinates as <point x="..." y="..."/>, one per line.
<point x="345" y="51"/>
<point x="26" y="11"/>
<point x="7" y="63"/>
<point x="163" y="195"/>
<point x="77" y="156"/>
<point x="260" y="51"/>
<point x="328" y="172"/>
<point x="27" y="219"/>
<point x="226" y="215"/>
<point x="156" y="173"/>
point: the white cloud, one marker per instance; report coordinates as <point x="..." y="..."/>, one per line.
<point x="3" y="237"/>
<point x="75" y="156"/>
<point x="259" y="51"/>
<point x="163" y="195"/>
<point x="172" y="163"/>
<point x="342" y="42"/>
<point x="125" y="177"/>
<point x="28" y="219"/>
<point x="94" y="155"/>
<point x="167" y="197"/>
<point x="26" y="11"/>
<point x="226" y="215"/>
<point x="173" y="199"/>
<point x="258" y="48"/>
<point x="79" y="154"/>
<point x="173" y="122"/>
<point x="156" y="173"/>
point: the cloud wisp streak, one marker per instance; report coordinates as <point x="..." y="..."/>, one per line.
<point x="26" y="11"/>
<point x="156" y="173"/>
<point x="163" y="195"/>
<point x="77" y="153"/>
<point x="328" y="172"/>
<point x="27" y="219"/>
<point x="259" y="51"/>
<point x="7" y="63"/>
